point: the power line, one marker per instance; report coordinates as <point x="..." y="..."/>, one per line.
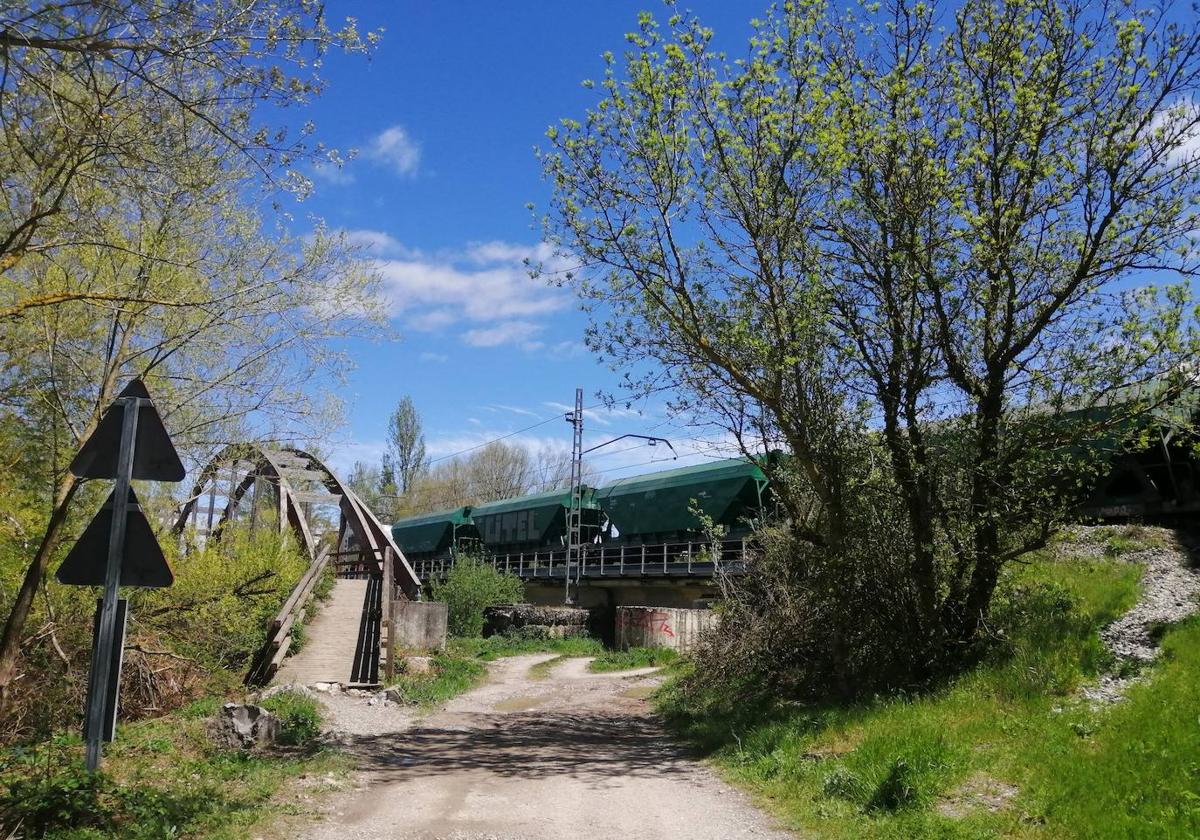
<point x="494" y="440"/>
<point x="505" y="437"/>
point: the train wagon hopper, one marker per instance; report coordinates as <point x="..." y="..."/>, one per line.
<point x="529" y="523"/>
<point x="436" y="534"/>
<point x="1153" y="468"/>
<point x="656" y="507"/>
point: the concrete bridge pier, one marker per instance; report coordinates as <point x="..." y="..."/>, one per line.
<point x="603" y="597"/>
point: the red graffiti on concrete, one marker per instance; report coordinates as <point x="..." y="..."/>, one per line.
<point x="653" y="621"/>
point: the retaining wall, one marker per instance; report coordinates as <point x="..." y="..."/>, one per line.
<point x="665" y="627"/>
<point x="418" y="625"/>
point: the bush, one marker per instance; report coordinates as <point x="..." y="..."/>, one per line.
<point x="299" y="717"/>
<point x="470" y="587"/>
<point x="808" y="623"/>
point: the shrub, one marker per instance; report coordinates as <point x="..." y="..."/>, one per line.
<point x="805" y="622"/>
<point x="58" y="793"/>
<point x="299" y="717"/>
<point x="470" y="587"/>
<point x="843" y="784"/>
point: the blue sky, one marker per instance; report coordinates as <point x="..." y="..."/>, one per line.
<point x="444" y="118"/>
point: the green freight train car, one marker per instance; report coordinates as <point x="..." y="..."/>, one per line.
<point x="436" y="534"/>
<point x="636" y="510"/>
<point x="528" y="523"/>
<point x="658" y="507"/>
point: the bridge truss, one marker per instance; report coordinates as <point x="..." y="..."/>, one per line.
<point x="302" y="491"/>
<point x="290" y="488"/>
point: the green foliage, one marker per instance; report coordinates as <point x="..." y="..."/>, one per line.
<point x="451" y="676"/>
<point x="900" y="243"/>
<point x="161" y="779"/>
<point x="204" y="629"/>
<point x="638" y="657"/>
<point x="470" y="586"/>
<point x="887" y="766"/>
<point x="299" y="717"/>
<point x="494" y="647"/>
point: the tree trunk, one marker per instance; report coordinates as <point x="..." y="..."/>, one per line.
<point x="10" y="643"/>
<point x="986" y="538"/>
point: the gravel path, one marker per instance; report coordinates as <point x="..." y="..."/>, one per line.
<point x="573" y="755"/>
<point x="1170" y="593"/>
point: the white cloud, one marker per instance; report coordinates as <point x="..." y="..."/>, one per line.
<point x="437" y="358"/>
<point x="376" y="243"/>
<point x="525" y="412"/>
<point x="599" y="415"/>
<point x="568" y="349"/>
<point x="486" y="253"/>
<point x="507" y="332"/>
<point x="395" y="148"/>
<point x="485" y="288"/>
<point x="332" y="173"/>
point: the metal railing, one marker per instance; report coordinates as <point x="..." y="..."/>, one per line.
<point x="671" y="559"/>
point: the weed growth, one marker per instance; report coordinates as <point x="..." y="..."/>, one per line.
<point x="626" y="660"/>
<point x="299" y="717"/>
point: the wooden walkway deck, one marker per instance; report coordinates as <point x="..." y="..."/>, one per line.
<point x="333" y="640"/>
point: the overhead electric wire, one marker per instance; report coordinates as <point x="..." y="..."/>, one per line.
<point x="493" y="440"/>
<point x="505" y="437"/>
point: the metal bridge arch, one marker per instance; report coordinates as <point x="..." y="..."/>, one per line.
<point x="296" y="480"/>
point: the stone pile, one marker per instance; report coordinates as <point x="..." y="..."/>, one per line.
<point x="534" y="622"/>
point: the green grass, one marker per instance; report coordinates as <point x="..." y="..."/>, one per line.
<point x="541" y="670"/>
<point x="916" y="766"/>
<point x="494" y="647"/>
<point x="627" y="660"/>
<point x="299" y="717"/>
<point x="451" y="675"/>
<point x="461" y="666"/>
<point x="161" y="778"/>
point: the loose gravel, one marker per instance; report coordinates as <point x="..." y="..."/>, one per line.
<point x="1170" y="593"/>
<point x="571" y="755"/>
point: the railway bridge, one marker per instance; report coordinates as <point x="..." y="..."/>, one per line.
<point x="348" y="640"/>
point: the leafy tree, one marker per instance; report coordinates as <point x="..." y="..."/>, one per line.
<point x="366" y="480"/>
<point x="406" y="445"/>
<point x="908" y="254"/>
<point x="82" y="80"/>
<point x="134" y="241"/>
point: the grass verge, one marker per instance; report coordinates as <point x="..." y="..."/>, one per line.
<point x="1002" y="751"/>
<point x="495" y="647"/>
<point x="161" y="778"/>
<point x="463" y="664"/>
<point x="627" y="660"/>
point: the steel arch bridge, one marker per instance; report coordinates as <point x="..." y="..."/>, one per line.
<point x="244" y="482"/>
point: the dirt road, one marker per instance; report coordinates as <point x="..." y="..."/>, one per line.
<point x="574" y="755"/>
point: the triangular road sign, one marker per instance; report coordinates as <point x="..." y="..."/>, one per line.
<point x="142" y="565"/>
<point x="154" y="456"/>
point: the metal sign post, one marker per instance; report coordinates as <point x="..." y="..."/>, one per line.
<point x="102" y="655"/>
<point x="118" y="547"/>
